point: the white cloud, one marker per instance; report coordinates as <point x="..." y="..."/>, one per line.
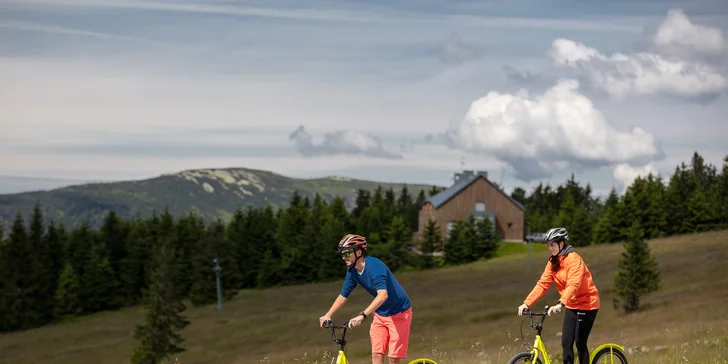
<point x="678" y="35"/>
<point x="674" y="65"/>
<point x="621" y="75"/>
<point x="340" y="142"/>
<point x="538" y="136"/>
<point x="626" y="174"/>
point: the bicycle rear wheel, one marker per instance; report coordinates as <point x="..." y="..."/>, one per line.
<point x="422" y="361"/>
<point x="526" y="358"/>
<point x="609" y="356"/>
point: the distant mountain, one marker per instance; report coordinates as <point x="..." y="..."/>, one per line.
<point x="18" y="184"/>
<point x="211" y="192"/>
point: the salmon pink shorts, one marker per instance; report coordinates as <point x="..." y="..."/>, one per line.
<point x="391" y="332"/>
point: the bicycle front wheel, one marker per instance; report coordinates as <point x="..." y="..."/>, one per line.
<point x="422" y="361"/>
<point x="526" y="358"/>
<point x="609" y="356"/>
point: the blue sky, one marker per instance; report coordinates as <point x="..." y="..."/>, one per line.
<point x="529" y="90"/>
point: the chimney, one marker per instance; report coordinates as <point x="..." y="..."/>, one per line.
<point x="483" y="173"/>
<point x="463" y="176"/>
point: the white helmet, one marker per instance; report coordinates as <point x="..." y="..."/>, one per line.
<point x="556" y="234"/>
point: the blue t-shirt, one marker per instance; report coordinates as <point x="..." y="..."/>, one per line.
<point x="376" y="276"/>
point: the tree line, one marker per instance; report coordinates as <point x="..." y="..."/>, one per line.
<point x="49" y="272"/>
<point x="693" y="199"/>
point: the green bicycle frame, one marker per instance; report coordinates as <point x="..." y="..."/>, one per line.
<point x="539" y="348"/>
<point x="341" y="358"/>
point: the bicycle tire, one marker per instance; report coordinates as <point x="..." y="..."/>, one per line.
<point x="619" y="354"/>
<point x="422" y="361"/>
<point x="523" y="358"/>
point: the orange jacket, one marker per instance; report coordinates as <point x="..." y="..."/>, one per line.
<point x="573" y="281"/>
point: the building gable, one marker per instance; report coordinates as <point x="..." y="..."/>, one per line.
<point x="447" y="194"/>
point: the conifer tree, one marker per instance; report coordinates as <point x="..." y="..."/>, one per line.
<point x="99" y="287"/>
<point x="608" y="225"/>
<point x="456" y="250"/>
<point x="19" y="294"/>
<point x="135" y="266"/>
<point x="699" y="215"/>
<point x="313" y="232"/>
<point x="112" y="234"/>
<point x="66" y="302"/>
<point x="261" y="228"/>
<point x="331" y="266"/>
<point x="721" y="197"/>
<point x="431" y="243"/>
<point x="4" y="288"/>
<point x="638" y="272"/>
<point x="396" y="251"/>
<point x="486" y="242"/>
<point x="161" y="334"/>
<point x="42" y="274"/>
<point x="294" y="244"/>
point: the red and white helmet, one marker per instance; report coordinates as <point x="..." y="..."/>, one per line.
<point x="352" y="241"/>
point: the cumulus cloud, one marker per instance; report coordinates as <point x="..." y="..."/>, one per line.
<point x="680" y="59"/>
<point x="550" y="133"/>
<point x="626" y="174"/>
<point x="679" y="36"/>
<point x="643" y="73"/>
<point x="340" y="142"/>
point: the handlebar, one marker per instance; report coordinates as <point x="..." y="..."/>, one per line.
<point x="328" y="324"/>
<point x="528" y="312"/>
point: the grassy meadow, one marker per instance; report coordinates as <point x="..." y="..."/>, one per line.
<point x="464" y="314"/>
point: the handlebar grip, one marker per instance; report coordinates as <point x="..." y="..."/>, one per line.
<point x="328" y="324"/>
<point x="526" y="311"/>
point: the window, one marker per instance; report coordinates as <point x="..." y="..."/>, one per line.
<point x="450" y="225"/>
<point x="480" y="206"/>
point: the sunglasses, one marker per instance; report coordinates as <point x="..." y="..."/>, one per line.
<point x="345" y="254"/>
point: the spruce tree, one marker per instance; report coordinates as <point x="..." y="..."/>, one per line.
<point x="161" y="334"/>
<point x="456" y="246"/>
<point x="486" y="242"/>
<point x="396" y="251"/>
<point x="19" y="294"/>
<point x="66" y="302"/>
<point x="431" y="243"/>
<point x="638" y="272"/>
<point x="43" y="273"/>
<point x="721" y="197"/>
<point x="699" y="213"/>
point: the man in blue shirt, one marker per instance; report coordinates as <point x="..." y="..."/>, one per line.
<point x="391" y="307"/>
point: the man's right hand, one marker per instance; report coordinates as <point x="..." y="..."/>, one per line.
<point x="323" y="319"/>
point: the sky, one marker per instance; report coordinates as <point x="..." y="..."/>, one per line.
<point x="405" y="91"/>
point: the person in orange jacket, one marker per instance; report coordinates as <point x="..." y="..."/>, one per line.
<point x="577" y="293"/>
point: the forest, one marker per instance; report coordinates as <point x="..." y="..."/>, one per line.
<point x="51" y="273"/>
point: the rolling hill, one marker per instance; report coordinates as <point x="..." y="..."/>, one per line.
<point x="212" y="192"/>
<point x="464" y="314"/>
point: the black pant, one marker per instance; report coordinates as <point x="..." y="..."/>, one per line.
<point x="577" y="326"/>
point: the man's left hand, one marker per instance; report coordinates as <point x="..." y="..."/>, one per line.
<point x="356" y="321"/>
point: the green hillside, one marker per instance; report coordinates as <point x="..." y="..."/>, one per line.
<point x="463" y="314"/>
<point x="211" y="192"/>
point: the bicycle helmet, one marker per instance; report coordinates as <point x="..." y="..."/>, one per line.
<point x="556" y="234"/>
<point x="352" y="242"/>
